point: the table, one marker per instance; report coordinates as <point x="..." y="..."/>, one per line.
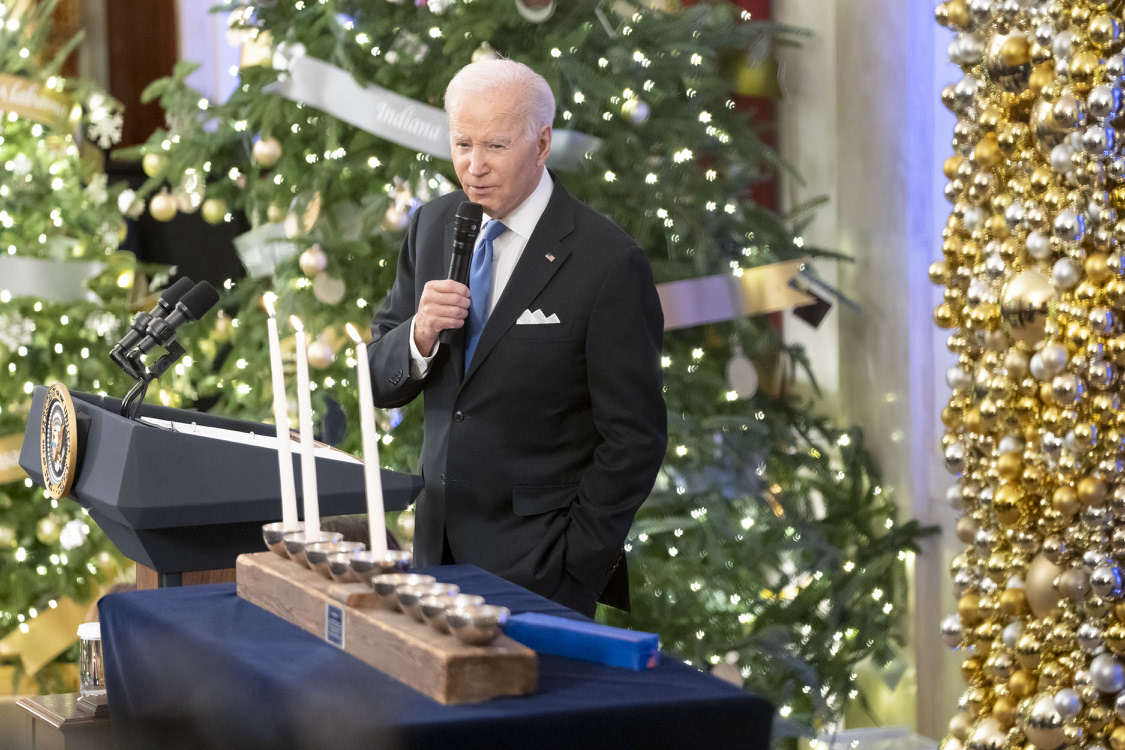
<point x="199" y="667"/>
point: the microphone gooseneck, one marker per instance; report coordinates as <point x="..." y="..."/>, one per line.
<point x="466" y="229"/>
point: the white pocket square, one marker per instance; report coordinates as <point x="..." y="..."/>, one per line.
<point x="529" y="318"/>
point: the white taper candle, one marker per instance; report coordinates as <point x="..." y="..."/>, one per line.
<point x="289" y="517"/>
<point x="377" y="523"/>
<point x="308" y="449"/>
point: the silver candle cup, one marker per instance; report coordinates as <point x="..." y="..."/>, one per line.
<point x="385" y="584"/>
<point x="366" y="565"/>
<point x="340" y="567"/>
<point x="477" y="626"/>
<point x="433" y="608"/>
<point x="317" y="553"/>
<point x="295" y="542"/>
<point x="274" y="536"/>
<point x="409" y="596"/>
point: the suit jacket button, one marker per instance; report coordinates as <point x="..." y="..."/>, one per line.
<point x="458" y="416"/>
<point x="443" y="478"/>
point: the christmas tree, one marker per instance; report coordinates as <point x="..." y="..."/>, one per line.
<point x="768" y="546"/>
<point x="64" y="290"/>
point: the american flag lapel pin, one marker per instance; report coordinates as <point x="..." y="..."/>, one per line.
<point x="550" y="257"/>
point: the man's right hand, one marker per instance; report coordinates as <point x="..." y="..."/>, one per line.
<point x="444" y="304"/>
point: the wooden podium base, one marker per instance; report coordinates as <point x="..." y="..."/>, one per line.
<point x="411" y="652"/>
<point x="147" y="578"/>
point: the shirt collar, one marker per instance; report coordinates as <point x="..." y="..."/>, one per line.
<point x="526" y="215"/>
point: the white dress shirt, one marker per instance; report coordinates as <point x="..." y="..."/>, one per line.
<point x="506" y="252"/>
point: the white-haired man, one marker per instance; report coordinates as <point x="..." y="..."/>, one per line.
<point x="545" y="421"/>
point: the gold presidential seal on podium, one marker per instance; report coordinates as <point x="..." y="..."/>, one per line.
<point x="58" y="442"/>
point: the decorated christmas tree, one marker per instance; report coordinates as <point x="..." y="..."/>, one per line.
<point x="64" y="290"/>
<point x="768" y="548"/>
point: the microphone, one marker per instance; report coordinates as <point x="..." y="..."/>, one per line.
<point x="139" y="327"/>
<point x="162" y="331"/>
<point x="466" y="229"/>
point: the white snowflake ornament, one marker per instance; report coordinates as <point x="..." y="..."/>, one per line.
<point x="106" y="130"/>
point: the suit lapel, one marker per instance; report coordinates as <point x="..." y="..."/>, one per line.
<point x="531" y="274"/>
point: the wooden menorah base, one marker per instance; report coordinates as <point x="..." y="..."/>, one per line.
<point x="411" y="652"/>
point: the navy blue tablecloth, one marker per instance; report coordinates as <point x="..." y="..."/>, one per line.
<point x="199" y="667"/>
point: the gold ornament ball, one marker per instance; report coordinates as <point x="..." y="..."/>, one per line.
<point x="1039" y="585"/>
<point x="267" y="151"/>
<point x="313" y="260"/>
<point x="960" y="725"/>
<point x="320" y="354"/>
<point x="987" y="153"/>
<point x="47" y="530"/>
<point x="1065" y="501"/>
<point x="1004" y="711"/>
<point x="1022" y="683"/>
<point x="1115" y="638"/>
<point x="275" y="213"/>
<point x="1025" y="306"/>
<point x="957" y="14"/>
<point x="1097" y="268"/>
<point x="1104" y="30"/>
<point x="969" y="608"/>
<point x="484" y="52"/>
<point x="162" y="206"/>
<point x="1074" y="584"/>
<point x="1013" y="602"/>
<point x="1015" y="50"/>
<point x="951" y="165"/>
<point x="1083" y="67"/>
<point x="7" y="536"/>
<point x="1007" y="504"/>
<point x="1093" y="492"/>
<point x="988" y="735"/>
<point x="1117" y="738"/>
<point x="215" y="210"/>
<point x="1043" y="724"/>
<point x="153" y="164"/>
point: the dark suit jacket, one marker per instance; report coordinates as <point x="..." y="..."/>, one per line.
<point x="537" y="458"/>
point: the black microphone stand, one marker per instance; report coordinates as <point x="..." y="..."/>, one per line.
<point x="145" y="375"/>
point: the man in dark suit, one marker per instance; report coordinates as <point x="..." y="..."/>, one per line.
<point x="545" y="422"/>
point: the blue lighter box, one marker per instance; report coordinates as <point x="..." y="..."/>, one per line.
<point x="587" y="641"/>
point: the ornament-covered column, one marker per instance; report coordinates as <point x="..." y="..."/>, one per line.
<point x="1034" y="429"/>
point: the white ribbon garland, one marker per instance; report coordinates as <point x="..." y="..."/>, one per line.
<point x="51" y="280"/>
<point x="396" y="118"/>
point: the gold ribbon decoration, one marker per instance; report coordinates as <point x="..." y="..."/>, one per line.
<point x="34" y="101"/>
<point x="49" y="634"/>
<point x="10" y="446"/>
<point x="711" y="299"/>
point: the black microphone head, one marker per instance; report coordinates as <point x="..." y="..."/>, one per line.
<point x="174" y="293"/>
<point x="200" y="299"/>
<point x="471" y="211"/>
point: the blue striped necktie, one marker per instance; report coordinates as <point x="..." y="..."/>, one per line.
<point x="480" y="288"/>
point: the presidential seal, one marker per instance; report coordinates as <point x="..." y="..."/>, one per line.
<point x="58" y="441"/>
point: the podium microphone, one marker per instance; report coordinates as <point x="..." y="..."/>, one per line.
<point x="466" y="229"/>
<point x="162" y="331"/>
<point x="139" y="327"/>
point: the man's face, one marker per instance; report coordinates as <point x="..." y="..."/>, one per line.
<point x="498" y="165"/>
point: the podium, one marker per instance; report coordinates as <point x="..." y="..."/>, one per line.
<point x="183" y="503"/>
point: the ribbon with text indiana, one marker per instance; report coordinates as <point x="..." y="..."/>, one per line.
<point x="397" y="118"/>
